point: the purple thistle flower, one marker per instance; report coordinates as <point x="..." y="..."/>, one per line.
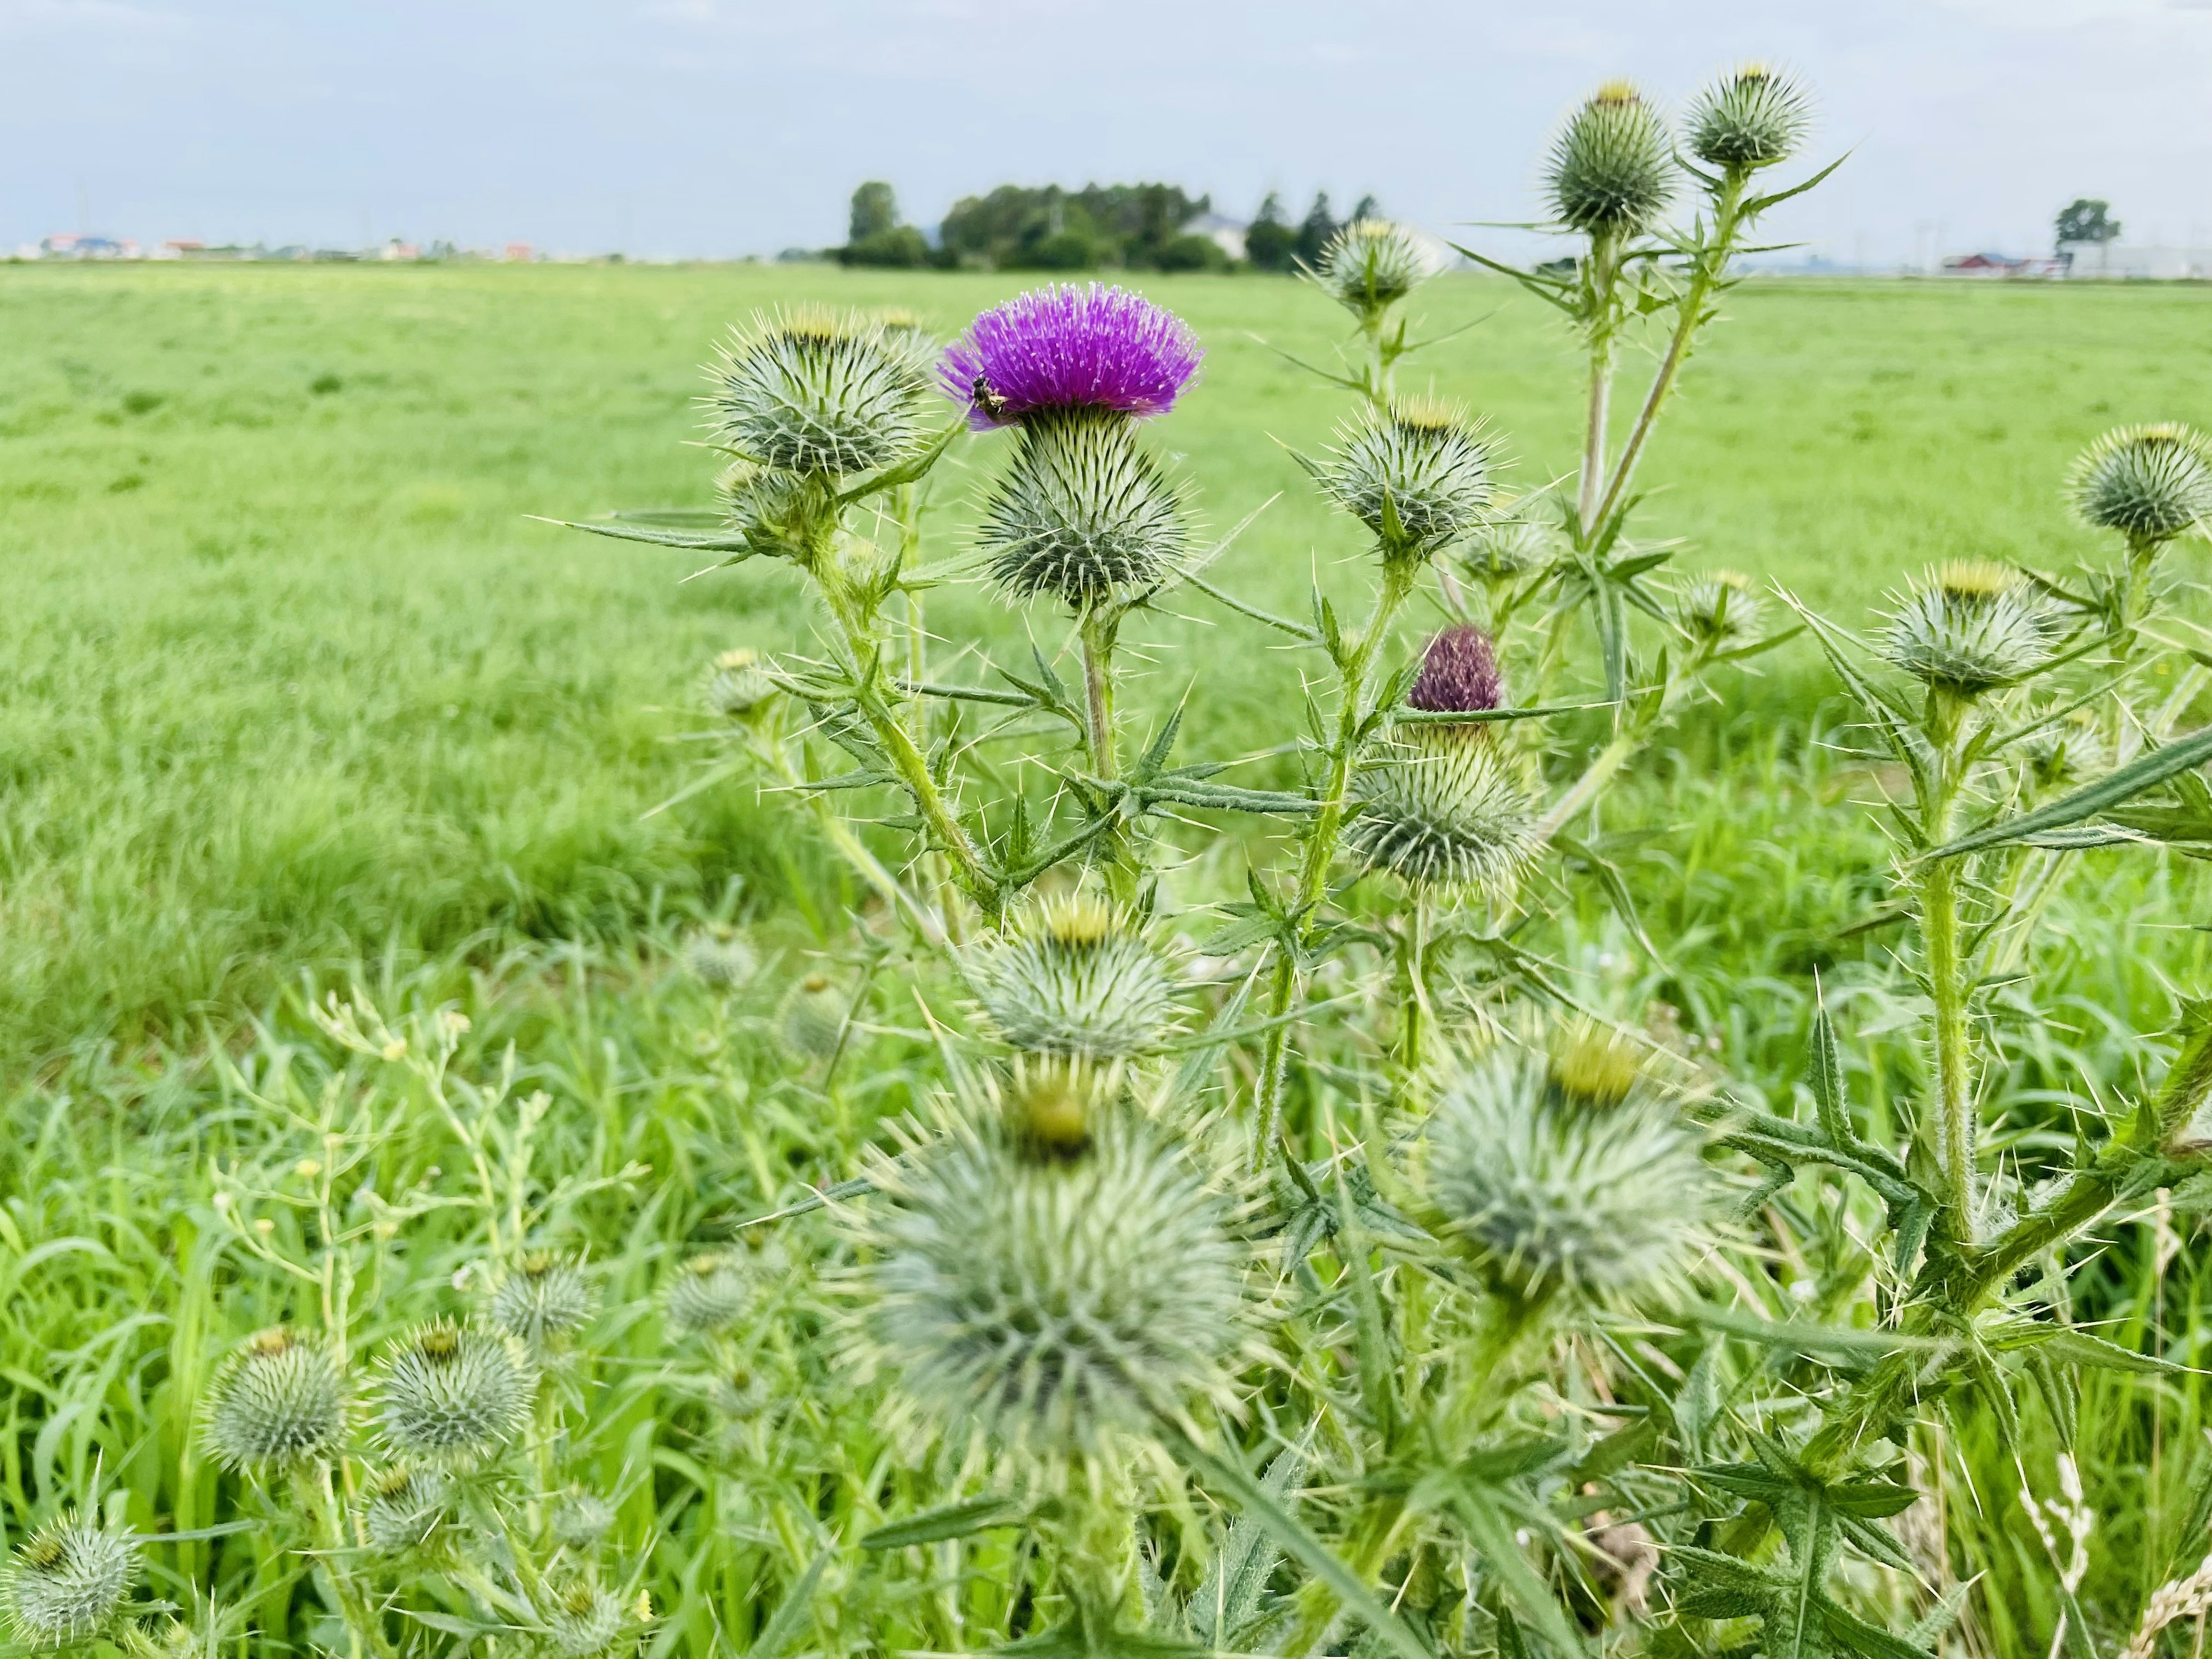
<point x="1459" y="674"/>
<point x="1066" y="346"/>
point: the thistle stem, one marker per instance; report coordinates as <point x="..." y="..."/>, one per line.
<point x="1947" y="969"/>
<point x="1605" y="263"/>
<point x="1118" y="852"/>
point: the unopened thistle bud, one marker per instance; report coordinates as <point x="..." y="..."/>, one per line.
<point x="1575" y="1176"/>
<point x="1611" y="170"/>
<point x="1441" y="809"/>
<point x="719" y="958"/>
<point x="1052" y="1305"/>
<point x="777" y="514"/>
<point x="1748" y="119"/>
<point x="1048" y="1109"/>
<point x="582" y="1517"/>
<point x="1504" y="548"/>
<point x="1419" y="475"/>
<point x="737" y="684"/>
<point x="1719" y="609"/>
<point x="1970" y="629"/>
<point x="1459" y="674"/>
<point x="710" y="1292"/>
<point x="1083" y="512"/>
<point x="808" y="392"/>
<point x="278" y="1401"/>
<point x="452" y="1395"/>
<point x="2148" y="482"/>
<point x="1369" y="265"/>
<point x="2067" y="753"/>
<point x="581" y="1620"/>
<point x="406" y="1507"/>
<point x="813" y="1022"/>
<point x="544" y="1301"/>
<point x="1074" y="980"/>
<point x="66" y="1582"/>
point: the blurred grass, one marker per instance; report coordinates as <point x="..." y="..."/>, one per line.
<point x="287" y="676"/>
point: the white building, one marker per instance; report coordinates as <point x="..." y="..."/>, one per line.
<point x="2138" y="261"/>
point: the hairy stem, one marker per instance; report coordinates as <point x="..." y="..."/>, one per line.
<point x="1948" y="978"/>
<point x="1116" y="849"/>
<point x="1605" y="263"/>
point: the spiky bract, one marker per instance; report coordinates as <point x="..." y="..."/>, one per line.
<point x="736" y="682"/>
<point x="1084" y="511"/>
<point x="544" y="1301"/>
<point x="1075" y="979"/>
<point x="777" y="514"/>
<point x="1719" y="609"/>
<point x="2067" y="753"/>
<point x="1369" y="265"/>
<point x="1971" y="630"/>
<point x="1419" y="475"/>
<point x="719" y="958"/>
<point x="1751" y="118"/>
<point x="1441" y="809"/>
<point x="2148" y="482"/>
<point x="452" y="1395"/>
<point x="814" y="1023"/>
<point x="1065" y="348"/>
<point x="1571" y="1176"/>
<point x="580" y="1618"/>
<point x="807" y="391"/>
<point x="1053" y="1304"/>
<point x="1611" y="169"/>
<point x="67" y="1582"/>
<point x="406" y="1507"/>
<point x="1459" y="674"/>
<point x="277" y="1401"/>
<point x="1503" y="548"/>
<point x="581" y="1518"/>
<point x="710" y="1292"/>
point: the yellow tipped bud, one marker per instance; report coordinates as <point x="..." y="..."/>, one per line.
<point x="1594" y="1066"/>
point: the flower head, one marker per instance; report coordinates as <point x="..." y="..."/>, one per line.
<point x="580" y="1618"/>
<point x="1970" y="629"/>
<point x="1751" y="118"/>
<point x="1065" y="347"/>
<point x="808" y="391"/>
<point x="1054" y="1305"/>
<point x="1441" y="809"/>
<point x="1369" y="265"/>
<point x="452" y="1395"/>
<point x="582" y="1517"/>
<point x="1719" y="609"/>
<point x="736" y="682"/>
<point x="1419" y="475"/>
<point x="1569" y="1175"/>
<point x="1459" y="674"/>
<point x="279" y="1400"/>
<point x="813" y="1023"/>
<point x="2148" y="482"/>
<point x="1075" y="979"/>
<point x="544" y="1301"/>
<point x="719" y="958"/>
<point x="710" y="1292"/>
<point x="1611" y="169"/>
<point x="67" y="1581"/>
<point x="1082" y="512"/>
<point x="407" y="1505"/>
<point x="1506" y="545"/>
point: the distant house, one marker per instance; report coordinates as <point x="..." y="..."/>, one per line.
<point x="2136" y="262"/>
<point x="1227" y="234"/>
<point x="2001" y="265"/>
<point x="72" y="245"/>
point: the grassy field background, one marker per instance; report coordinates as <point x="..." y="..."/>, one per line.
<point x="291" y="677"/>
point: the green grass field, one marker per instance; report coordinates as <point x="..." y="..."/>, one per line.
<point x="292" y="677"/>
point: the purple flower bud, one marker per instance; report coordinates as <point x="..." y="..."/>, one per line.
<point x="1065" y="347"/>
<point x="1459" y="674"/>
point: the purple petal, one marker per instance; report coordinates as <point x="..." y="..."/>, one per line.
<point x="1066" y="346"/>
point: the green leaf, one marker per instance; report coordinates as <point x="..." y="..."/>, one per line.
<point x="953" y="1521"/>
<point x="791" y="1613"/>
<point x="1229" y="1596"/>
<point x="692" y="541"/>
<point x="2137" y="776"/>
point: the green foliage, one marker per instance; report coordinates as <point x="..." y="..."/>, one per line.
<point x="1020" y="228"/>
<point x="2086" y="219"/>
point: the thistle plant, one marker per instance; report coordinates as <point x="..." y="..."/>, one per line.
<point x="67" y="1583"/>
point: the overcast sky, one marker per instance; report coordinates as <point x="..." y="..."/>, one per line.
<point x="731" y="126"/>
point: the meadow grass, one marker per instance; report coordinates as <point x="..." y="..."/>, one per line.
<point x="291" y="675"/>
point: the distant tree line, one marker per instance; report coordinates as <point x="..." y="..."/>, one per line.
<point x="1126" y="227"/>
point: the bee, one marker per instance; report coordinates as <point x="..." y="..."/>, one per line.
<point x="989" y="401"/>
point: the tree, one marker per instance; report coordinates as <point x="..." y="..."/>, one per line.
<point x="1269" y="242"/>
<point x="876" y="237"/>
<point x="1369" y="208"/>
<point x="2086" y="219"/>
<point x="875" y="210"/>
<point x="1318" y="227"/>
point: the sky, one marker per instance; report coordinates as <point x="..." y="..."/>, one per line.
<point x="715" y="128"/>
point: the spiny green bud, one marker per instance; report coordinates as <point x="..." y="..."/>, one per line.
<point x="905" y="333"/>
<point x="1075" y="979"/>
<point x="1441" y="809"/>
<point x="582" y="1518"/>
<point x="581" y="1620"/>
<point x="1048" y="1107"/>
<point x="777" y="514"/>
<point x="1594" y="1066"/>
<point x="719" y="958"/>
<point x="1749" y="119"/>
<point x="737" y="683"/>
<point x="406" y="1507"/>
<point x="1969" y="629"/>
<point x="1611" y="170"/>
<point x="2148" y="482"/>
<point x="1573" y="1175"/>
<point x="1052" y="1305"/>
<point x="1419" y="475"/>
<point x="2067" y="753"/>
<point x="66" y="1582"/>
<point x="1506" y="545"/>
<point x="1083" y="513"/>
<point x="806" y="391"/>
<point x="454" y="1394"/>
<point x="813" y="1022"/>
<point x="1719" y="609"/>
<point x="277" y="1401"/>
<point x="544" y="1301"/>
<point x="710" y="1292"/>
<point x="1369" y="265"/>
